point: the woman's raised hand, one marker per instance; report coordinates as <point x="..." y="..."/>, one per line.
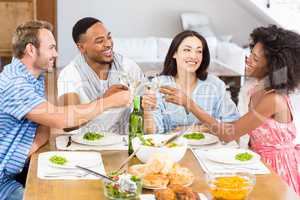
<point x="176" y="96"/>
<point x="149" y="101"/>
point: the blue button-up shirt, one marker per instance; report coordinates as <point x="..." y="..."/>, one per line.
<point x="209" y="94"/>
<point x="20" y="92"/>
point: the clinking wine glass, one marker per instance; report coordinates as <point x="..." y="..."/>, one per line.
<point x="152" y="83"/>
<point x="130" y="82"/>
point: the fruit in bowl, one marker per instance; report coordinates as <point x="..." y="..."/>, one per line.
<point x="125" y="187"/>
<point x="230" y="186"/>
<point x="150" y="145"/>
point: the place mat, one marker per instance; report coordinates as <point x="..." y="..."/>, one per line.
<point x="62" y="141"/>
<point x="91" y="160"/>
<point x="214" y="167"/>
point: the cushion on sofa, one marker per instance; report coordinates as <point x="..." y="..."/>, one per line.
<point x="203" y="30"/>
<point x="212" y="43"/>
<point x="138" y="49"/>
<point x="194" y="18"/>
<point x="163" y="45"/>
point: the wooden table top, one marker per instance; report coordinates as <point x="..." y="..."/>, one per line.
<point x="267" y="186"/>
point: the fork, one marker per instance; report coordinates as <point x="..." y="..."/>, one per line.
<point x="176" y="135"/>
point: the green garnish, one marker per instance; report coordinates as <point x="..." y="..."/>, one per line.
<point x="59" y="160"/>
<point x="243" y="156"/>
<point x="194" y="136"/>
<point x="172" y="144"/>
<point x="150" y="143"/>
<point x="92" y="136"/>
<point x="135" y="179"/>
<point x="146" y="142"/>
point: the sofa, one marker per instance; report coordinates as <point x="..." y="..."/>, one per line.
<point x="149" y="53"/>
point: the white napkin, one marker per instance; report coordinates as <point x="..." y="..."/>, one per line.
<point x="214" y="167"/>
<point x="62" y="140"/>
<point x="90" y="160"/>
<point x="232" y="144"/>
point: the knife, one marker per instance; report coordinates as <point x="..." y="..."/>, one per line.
<point x="103" y="177"/>
<point x="176" y="135"/>
<point x="172" y="138"/>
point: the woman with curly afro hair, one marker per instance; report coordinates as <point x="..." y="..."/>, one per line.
<point x="275" y="62"/>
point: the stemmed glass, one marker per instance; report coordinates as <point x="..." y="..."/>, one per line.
<point x="152" y="83"/>
<point x="129" y="81"/>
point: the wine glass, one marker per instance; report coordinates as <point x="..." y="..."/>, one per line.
<point x="130" y="82"/>
<point x="152" y="83"/>
<point x="124" y="78"/>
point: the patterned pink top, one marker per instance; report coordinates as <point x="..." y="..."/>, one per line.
<point x="274" y="142"/>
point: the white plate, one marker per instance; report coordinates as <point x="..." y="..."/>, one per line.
<point x="70" y="164"/>
<point x="67" y="165"/>
<point x="72" y="160"/>
<point x="108" y="139"/>
<point x="227" y="156"/>
<point x="208" y="139"/>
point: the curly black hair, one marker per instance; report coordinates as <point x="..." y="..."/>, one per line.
<point x="282" y="51"/>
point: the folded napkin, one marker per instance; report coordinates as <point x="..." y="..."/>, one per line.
<point x="90" y="160"/>
<point x="214" y="167"/>
<point x="62" y="141"/>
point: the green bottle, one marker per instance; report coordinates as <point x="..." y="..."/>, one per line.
<point x="136" y="122"/>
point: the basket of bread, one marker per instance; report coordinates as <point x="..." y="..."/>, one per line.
<point x="161" y="171"/>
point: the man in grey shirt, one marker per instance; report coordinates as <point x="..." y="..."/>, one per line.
<point x="95" y="72"/>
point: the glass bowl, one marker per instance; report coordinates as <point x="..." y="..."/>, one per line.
<point x="113" y="191"/>
<point x="230" y="186"/>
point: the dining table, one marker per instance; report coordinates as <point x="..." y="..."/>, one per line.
<point x="268" y="186"/>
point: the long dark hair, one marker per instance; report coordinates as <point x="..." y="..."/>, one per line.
<point x="170" y="65"/>
<point x="282" y="51"/>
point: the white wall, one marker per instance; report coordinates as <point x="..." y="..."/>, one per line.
<point x="283" y="13"/>
<point x="140" y="18"/>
